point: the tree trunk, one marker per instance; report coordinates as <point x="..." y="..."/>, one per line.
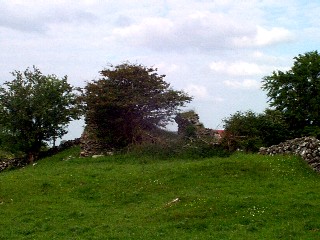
<point x="31" y="158"/>
<point x="34" y="151"/>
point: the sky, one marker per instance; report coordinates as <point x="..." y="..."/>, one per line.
<point x="218" y="51"/>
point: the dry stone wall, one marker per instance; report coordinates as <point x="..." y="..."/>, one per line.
<point x="21" y="162"/>
<point x="9" y="163"/>
<point x="307" y="147"/>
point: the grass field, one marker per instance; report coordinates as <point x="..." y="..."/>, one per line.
<point x="240" y="197"/>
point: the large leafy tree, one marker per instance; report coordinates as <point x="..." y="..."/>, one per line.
<point x="296" y="93"/>
<point x="129" y="100"/>
<point x="35" y="108"/>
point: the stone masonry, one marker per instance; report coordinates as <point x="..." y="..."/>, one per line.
<point x="190" y="120"/>
<point x="306" y="147"/>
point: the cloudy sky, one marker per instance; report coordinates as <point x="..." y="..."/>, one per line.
<point x="216" y="50"/>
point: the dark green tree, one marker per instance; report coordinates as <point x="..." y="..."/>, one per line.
<point x="296" y="93"/>
<point x="249" y="131"/>
<point x="129" y="100"/>
<point x="273" y="128"/>
<point x="35" y="108"/>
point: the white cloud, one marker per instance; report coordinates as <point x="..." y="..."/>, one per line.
<point x="26" y="17"/>
<point x="200" y="30"/>
<point x="167" y="68"/>
<point x="210" y="48"/>
<point x="248" y="84"/>
<point x="200" y="93"/>
<point x="265" y="37"/>
<point x="152" y="31"/>
<point x="240" y="68"/>
<point x="197" y="91"/>
<point x="275" y="35"/>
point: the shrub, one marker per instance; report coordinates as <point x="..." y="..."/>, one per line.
<point x="178" y="149"/>
<point x="249" y="131"/>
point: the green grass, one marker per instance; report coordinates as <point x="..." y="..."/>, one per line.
<point x="240" y="197"/>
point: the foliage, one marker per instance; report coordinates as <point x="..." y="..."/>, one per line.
<point x="5" y="155"/>
<point x="296" y="93"/>
<point x="128" y="100"/>
<point x="273" y="127"/>
<point x="250" y="131"/>
<point x="35" y="108"/>
<point x="241" y="131"/>
<point x="246" y="196"/>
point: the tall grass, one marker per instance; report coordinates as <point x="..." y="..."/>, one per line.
<point x="119" y="197"/>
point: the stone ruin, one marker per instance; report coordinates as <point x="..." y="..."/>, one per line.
<point x="186" y="120"/>
<point x="189" y="126"/>
<point x="87" y="144"/>
<point x="306" y="147"/>
<point x="91" y="146"/>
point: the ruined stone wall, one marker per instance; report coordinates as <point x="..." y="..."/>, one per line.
<point x="190" y="120"/>
<point x="90" y="145"/>
<point x="307" y="147"/>
<point x="187" y="120"/>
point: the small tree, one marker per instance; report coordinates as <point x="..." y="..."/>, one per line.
<point x="35" y="108"/>
<point x="241" y="131"/>
<point x="128" y="100"/>
<point x="296" y="93"/>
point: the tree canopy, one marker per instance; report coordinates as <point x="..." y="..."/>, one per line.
<point x="129" y="99"/>
<point x="296" y="93"/>
<point x="35" y="108"/>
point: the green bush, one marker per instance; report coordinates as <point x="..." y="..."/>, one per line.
<point x="249" y="131"/>
<point x="5" y="154"/>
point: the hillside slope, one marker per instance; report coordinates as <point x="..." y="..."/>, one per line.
<point x="117" y="197"/>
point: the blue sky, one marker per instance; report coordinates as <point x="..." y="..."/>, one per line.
<point x="216" y="50"/>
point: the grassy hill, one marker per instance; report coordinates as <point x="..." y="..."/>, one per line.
<point x="121" y="197"/>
